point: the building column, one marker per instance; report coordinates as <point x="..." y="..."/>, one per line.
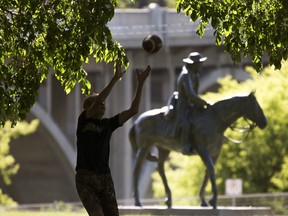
<point x="127" y="159"/>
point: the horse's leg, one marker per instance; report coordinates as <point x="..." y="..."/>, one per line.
<point x="162" y="156"/>
<point x="207" y="159"/>
<point x="202" y="190"/>
<point x="140" y="158"/>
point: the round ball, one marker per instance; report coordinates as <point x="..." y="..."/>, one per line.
<point x="152" y="43"/>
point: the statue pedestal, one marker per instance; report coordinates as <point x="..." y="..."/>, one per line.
<point x="199" y="211"/>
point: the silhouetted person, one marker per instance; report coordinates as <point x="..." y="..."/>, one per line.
<point x="185" y="97"/>
<point x="94" y="183"/>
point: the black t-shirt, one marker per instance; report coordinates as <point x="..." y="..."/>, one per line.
<point x="93" y="143"/>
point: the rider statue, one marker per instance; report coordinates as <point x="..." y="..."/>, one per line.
<point x="185" y="97"/>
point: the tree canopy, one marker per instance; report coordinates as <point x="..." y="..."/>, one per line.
<point x="38" y="36"/>
<point x="251" y="28"/>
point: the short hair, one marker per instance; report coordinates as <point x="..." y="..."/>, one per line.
<point x="89" y="101"/>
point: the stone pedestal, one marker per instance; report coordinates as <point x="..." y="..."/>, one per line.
<point x="196" y="211"/>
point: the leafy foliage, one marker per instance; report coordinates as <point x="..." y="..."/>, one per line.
<point x="247" y="28"/>
<point x="8" y="165"/>
<point x="37" y="36"/>
<point x="260" y="161"/>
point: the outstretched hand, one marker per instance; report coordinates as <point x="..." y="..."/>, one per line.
<point x="141" y="77"/>
<point x="206" y="106"/>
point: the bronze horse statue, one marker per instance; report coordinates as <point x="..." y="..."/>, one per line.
<point x="152" y="128"/>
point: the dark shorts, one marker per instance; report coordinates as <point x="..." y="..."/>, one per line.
<point x="97" y="193"/>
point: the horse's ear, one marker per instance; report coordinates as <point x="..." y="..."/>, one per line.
<point x="252" y="93"/>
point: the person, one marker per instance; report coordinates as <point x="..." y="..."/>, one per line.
<point x="94" y="183"/>
<point x="185" y="97"/>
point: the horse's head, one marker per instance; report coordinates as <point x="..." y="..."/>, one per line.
<point x="254" y="112"/>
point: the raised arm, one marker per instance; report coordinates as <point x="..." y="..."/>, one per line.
<point x="127" y="114"/>
<point x="118" y="74"/>
<point x="101" y="97"/>
<point x="191" y="94"/>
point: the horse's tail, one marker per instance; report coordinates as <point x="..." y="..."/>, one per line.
<point x="132" y="138"/>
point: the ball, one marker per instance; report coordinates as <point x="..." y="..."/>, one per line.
<point x="152" y="43"/>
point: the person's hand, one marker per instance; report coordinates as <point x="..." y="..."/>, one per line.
<point x="206" y="106"/>
<point x="141" y="77"/>
<point x="119" y="71"/>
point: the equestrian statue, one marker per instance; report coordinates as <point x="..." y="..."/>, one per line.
<point x="189" y="125"/>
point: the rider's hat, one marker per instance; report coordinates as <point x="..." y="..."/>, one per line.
<point x="194" y="57"/>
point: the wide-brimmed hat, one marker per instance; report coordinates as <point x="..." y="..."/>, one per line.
<point x="194" y="57"/>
